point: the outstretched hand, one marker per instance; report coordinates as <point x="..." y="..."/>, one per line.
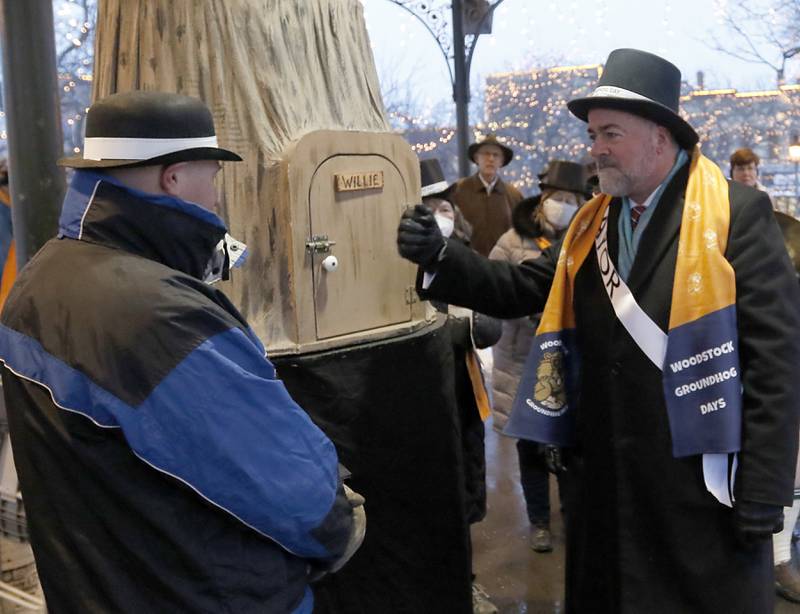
<point x="419" y="238"/>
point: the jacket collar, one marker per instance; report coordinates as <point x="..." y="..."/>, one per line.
<point x="661" y="231"/>
<point x="479" y="187"/>
<point x="179" y="234"/>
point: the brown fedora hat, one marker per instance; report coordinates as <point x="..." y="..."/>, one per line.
<point x="490" y="139"/>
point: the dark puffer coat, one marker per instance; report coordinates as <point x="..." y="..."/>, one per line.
<point x="164" y="467"/>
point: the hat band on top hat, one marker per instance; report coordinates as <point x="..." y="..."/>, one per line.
<point x="611" y="91"/>
<point x="434" y="188"/>
<point x="120" y="148"/>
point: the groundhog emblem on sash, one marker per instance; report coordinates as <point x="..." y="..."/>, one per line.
<point x="549" y="391"/>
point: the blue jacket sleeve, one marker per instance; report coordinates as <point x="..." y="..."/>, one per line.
<point x="221" y="423"/>
<point x="224" y="425"/>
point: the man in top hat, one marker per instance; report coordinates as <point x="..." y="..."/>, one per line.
<point x="484" y="198"/>
<point x="665" y="364"/>
<point x="163" y="465"/>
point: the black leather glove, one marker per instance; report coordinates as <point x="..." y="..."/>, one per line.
<point x="486" y="330"/>
<point x="419" y="238"/>
<point x="756" y="522"/>
<point x="554" y="459"/>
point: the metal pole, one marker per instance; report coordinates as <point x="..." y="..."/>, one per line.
<point x="796" y="190"/>
<point x="460" y="88"/>
<point x="30" y="87"/>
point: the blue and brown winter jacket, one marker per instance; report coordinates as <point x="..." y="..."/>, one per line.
<point x="163" y="466"/>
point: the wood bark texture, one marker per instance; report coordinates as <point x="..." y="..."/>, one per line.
<point x="271" y="71"/>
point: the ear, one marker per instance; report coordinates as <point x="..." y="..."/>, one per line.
<point x="171" y="178"/>
<point x="663" y="139"/>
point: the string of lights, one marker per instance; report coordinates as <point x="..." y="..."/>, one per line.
<point x="74" y="22"/>
<point x="527" y="110"/>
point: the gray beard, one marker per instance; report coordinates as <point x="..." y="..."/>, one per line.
<point x="613" y="182"/>
<point x="617" y="183"/>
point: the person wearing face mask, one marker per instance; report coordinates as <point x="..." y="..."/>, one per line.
<point x="537" y="222"/>
<point x="446" y="222"/>
<point x="451" y="221"/>
<point x="469" y="331"/>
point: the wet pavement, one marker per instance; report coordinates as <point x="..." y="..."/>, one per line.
<point x="520" y="580"/>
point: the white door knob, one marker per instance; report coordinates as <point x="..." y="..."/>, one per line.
<point x="330" y="264"/>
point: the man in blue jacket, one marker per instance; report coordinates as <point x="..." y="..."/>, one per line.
<point x="163" y="465"/>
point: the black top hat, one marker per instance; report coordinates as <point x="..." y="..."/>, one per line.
<point x="432" y="177"/>
<point x="148" y="128"/>
<point x="564" y="175"/>
<point x="490" y="139"/>
<point x="643" y="84"/>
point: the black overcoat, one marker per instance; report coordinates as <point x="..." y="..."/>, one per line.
<point x="644" y="535"/>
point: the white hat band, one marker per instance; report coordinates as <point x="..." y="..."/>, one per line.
<point x="106" y="148"/>
<point x="434" y="188"/>
<point x="610" y="91"/>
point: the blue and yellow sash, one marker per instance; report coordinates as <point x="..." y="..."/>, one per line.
<point x="698" y="355"/>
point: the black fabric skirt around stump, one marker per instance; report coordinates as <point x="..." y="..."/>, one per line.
<point x="391" y="410"/>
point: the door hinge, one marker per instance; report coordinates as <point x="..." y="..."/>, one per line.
<point x="411" y="295"/>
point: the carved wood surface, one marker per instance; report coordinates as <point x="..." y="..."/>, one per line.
<point x="272" y="71"/>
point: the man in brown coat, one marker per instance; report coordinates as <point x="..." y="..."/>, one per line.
<point x="484" y="198"/>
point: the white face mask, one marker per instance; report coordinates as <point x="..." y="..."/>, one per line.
<point x="446" y="225"/>
<point x="558" y="213"/>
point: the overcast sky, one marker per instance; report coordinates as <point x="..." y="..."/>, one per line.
<point x="565" y="32"/>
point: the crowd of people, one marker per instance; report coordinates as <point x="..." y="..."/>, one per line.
<point x="645" y="323"/>
<point x="654" y="343"/>
<point x="534" y="224"/>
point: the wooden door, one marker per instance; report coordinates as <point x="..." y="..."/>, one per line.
<point x="372" y="285"/>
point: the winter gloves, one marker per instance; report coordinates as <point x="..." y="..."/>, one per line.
<point x="755" y="522"/>
<point x="419" y="238"/>
<point x="316" y="570"/>
<point x="553" y="458"/>
<point x="356" y="501"/>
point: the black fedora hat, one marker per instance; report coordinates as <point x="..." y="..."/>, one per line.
<point x="564" y="175"/>
<point x="148" y="128"/>
<point x="490" y="139"/>
<point x="432" y="177"/>
<point x="643" y="84"/>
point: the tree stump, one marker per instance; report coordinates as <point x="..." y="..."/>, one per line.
<point x="274" y="72"/>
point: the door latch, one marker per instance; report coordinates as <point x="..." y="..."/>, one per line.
<point x="319" y="244"/>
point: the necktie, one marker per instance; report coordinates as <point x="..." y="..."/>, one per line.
<point x="636" y="213"/>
